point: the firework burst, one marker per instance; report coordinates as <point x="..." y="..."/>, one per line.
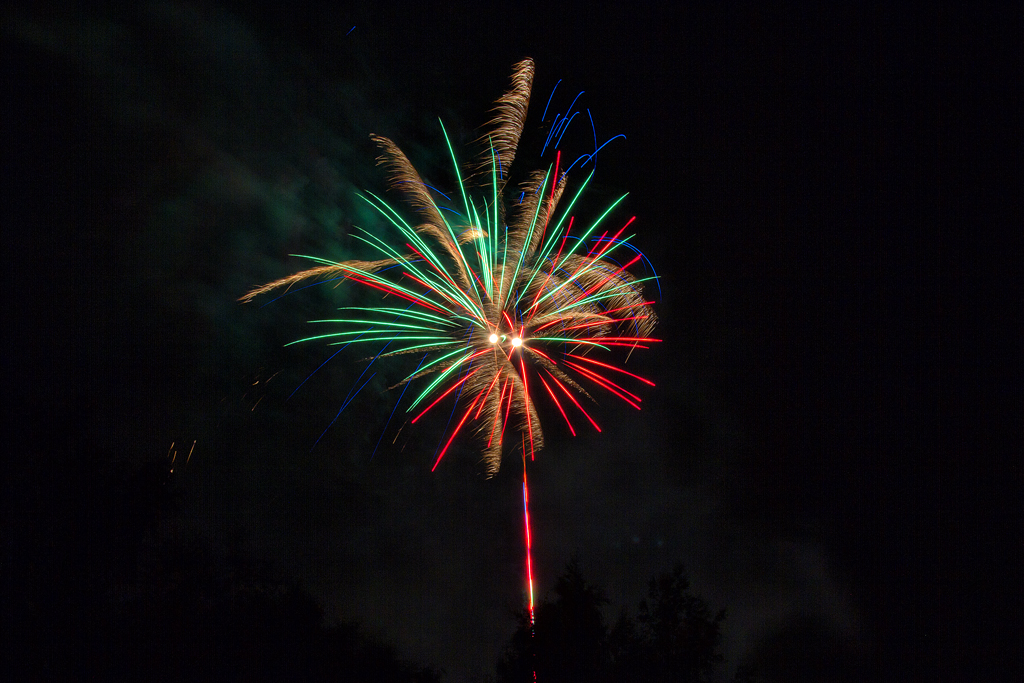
<point x="505" y="304"/>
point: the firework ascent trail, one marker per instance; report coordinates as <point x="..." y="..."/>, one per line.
<point x="499" y="298"/>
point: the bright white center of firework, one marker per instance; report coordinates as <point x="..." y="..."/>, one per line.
<point x="516" y="341"/>
<point x="493" y="339"/>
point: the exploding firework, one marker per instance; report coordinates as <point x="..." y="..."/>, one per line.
<point x="502" y="301"/>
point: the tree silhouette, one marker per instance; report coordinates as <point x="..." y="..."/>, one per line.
<point x="106" y="578"/>
<point x="680" y="639"/>
<point x="569" y="640"/>
<point x="674" y="637"/>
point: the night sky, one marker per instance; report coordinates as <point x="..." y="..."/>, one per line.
<point x="785" y="170"/>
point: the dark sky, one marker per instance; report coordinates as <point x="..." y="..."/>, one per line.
<point x="785" y="168"/>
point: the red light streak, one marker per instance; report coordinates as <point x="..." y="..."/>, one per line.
<point x="607" y="384"/>
<point x="554" y="182"/>
<point x="571" y="430"/>
<point x="421" y="300"/>
<point x="626" y="308"/>
<point x="450" y="389"/>
<point x="471" y="406"/>
<point x="554" y="262"/>
<point x="596" y="323"/>
<point x="489" y="387"/>
<point x="443" y="294"/>
<point x="497" y="413"/>
<point x="526" y="519"/>
<point x="612" y="367"/>
<point x="511" y="325"/>
<point x="604" y="340"/>
<point x="602" y="283"/>
<point x="573" y="399"/>
<point x="614" y="237"/>
<point x="501" y="437"/>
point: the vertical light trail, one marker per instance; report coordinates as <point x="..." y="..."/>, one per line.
<point x="526" y="518"/>
<point x="529" y="557"/>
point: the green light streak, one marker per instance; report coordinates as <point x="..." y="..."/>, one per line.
<point x="455" y="167"/>
<point x="484" y="270"/>
<point x="404" y="228"/>
<point x="605" y="294"/>
<point x="378" y="323"/>
<point x="431" y="363"/>
<point x="574" y="248"/>
<point x="429" y="347"/>
<point x="455" y="292"/>
<point x="353" y="341"/>
<point x="529" y="235"/>
<point x="318" y="259"/>
<point x="430" y="280"/>
<point x="388" y="339"/>
<point x="406" y="313"/>
<point x="435" y="284"/>
<point x="504" y="266"/>
<point x="440" y="378"/>
<point x="552" y="238"/>
<point x="373" y="277"/>
<point x="465" y="201"/>
<point x="494" y="228"/>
